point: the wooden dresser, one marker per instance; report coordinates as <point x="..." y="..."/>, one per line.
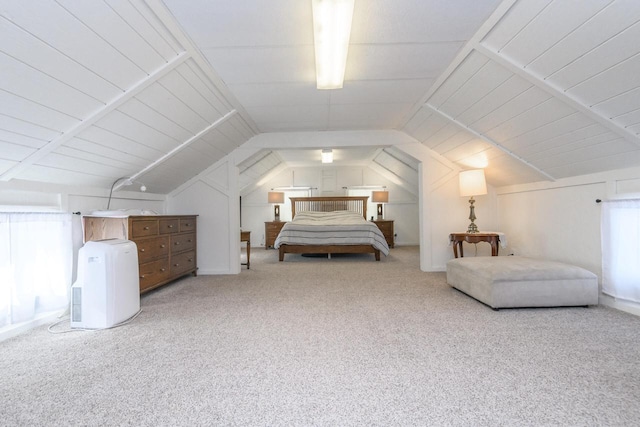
<point x="166" y="243"/>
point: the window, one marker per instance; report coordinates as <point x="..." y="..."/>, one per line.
<point x="36" y="263"/>
<point x="621" y="249"/>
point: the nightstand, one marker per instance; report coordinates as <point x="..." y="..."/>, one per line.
<point x="271" y="231"/>
<point x="386" y="226"/>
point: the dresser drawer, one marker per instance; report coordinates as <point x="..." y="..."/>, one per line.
<point x="183" y="242"/>
<point x="149" y="249"/>
<point x="169" y="226"/>
<point x="187" y="225"/>
<point x="153" y="272"/>
<point x="183" y="262"/>
<point x="274" y="227"/>
<point x="144" y="228"/>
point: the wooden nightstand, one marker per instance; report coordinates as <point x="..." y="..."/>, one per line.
<point x="386" y="226"/>
<point x="271" y="231"/>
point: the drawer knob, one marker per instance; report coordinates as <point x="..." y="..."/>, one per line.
<point x="190" y="259"/>
<point x="176" y="243"/>
<point x="163" y="269"/>
<point x="162" y="246"/>
<point x="189" y="240"/>
<point x="141" y="249"/>
<point x="146" y="227"/>
<point x="170" y="226"/>
<point x="176" y="265"/>
<point x="142" y="277"/>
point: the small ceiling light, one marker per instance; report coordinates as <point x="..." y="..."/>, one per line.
<point x="327" y="155"/>
<point x="331" y="32"/>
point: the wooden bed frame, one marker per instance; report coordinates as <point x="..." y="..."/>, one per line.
<point x="328" y="204"/>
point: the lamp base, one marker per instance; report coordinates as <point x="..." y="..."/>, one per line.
<point x="473" y="228"/>
<point x="276" y="213"/>
<point x="380" y="211"/>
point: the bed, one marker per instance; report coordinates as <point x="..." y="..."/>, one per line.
<point x="330" y="225"/>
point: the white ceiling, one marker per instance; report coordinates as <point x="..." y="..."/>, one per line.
<point x="530" y="89"/>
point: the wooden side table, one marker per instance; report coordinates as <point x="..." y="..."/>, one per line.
<point x="245" y="236"/>
<point x="458" y="238"/>
<point x="386" y="226"/>
<point x="271" y="231"/>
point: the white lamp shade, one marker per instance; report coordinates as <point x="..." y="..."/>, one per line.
<point x="472" y="183"/>
<point x="275" y="197"/>
<point x="380" y="196"/>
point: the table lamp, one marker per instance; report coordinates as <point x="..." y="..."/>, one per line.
<point x="472" y="183"/>
<point x="380" y="197"/>
<point x="276" y="197"/>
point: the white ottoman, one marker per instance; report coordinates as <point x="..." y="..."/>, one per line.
<point x="511" y="281"/>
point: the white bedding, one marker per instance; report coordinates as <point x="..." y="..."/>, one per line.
<point x="331" y="228"/>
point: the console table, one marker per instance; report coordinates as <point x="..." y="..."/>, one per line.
<point x="458" y="238"/>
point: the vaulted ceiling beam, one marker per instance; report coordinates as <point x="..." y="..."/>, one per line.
<point x="490" y="141"/>
<point x="93" y="119"/>
<point x="560" y="94"/>
<point x="180" y="147"/>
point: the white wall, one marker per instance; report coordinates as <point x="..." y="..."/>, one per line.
<point x="560" y="220"/>
<point x="213" y="196"/>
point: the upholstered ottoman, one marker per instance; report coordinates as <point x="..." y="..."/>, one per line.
<point x="511" y="281"/>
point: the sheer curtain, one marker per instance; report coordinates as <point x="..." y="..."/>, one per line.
<point x="621" y="249"/>
<point x="36" y="264"/>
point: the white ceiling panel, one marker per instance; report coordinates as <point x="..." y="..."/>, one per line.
<point x="277" y="64"/>
<point x="170" y="105"/>
<point x="543" y="31"/>
<point x="280" y="94"/>
<point x="367" y="116"/>
<point x="380" y="91"/>
<point x="397" y="61"/>
<point x="15" y="152"/>
<point x="127" y="146"/>
<point x="241" y="23"/>
<point x="426" y="21"/>
<point x="50" y="21"/>
<point x="20" y="139"/>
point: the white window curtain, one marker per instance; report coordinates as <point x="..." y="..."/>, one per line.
<point x="36" y="264"/>
<point x="621" y="249"/>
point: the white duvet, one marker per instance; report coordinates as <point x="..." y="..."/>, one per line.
<point x="331" y="228"/>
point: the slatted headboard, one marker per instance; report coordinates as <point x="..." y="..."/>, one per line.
<point x="328" y="204"/>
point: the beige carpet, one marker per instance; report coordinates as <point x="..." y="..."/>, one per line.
<point x="313" y="341"/>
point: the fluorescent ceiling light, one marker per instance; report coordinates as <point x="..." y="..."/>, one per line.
<point x="327" y="155"/>
<point x="331" y="32"/>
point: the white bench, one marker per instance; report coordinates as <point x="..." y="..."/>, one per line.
<point x="511" y="281"/>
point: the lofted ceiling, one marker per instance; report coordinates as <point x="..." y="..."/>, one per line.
<point x="529" y="89"/>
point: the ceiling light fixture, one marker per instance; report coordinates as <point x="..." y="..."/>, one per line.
<point x="331" y="32"/>
<point x="327" y="155"/>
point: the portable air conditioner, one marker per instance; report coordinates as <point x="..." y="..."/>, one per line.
<point x="106" y="291"/>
